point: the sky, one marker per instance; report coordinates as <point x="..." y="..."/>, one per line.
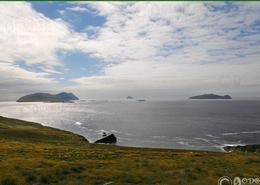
<point x="144" y="49"/>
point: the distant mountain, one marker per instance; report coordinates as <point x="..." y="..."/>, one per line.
<point x="210" y="96"/>
<point x="45" y="97"/>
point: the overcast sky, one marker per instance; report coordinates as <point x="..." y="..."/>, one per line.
<point x="111" y="50"/>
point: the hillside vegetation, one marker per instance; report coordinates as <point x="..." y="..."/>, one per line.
<point x="33" y="154"/>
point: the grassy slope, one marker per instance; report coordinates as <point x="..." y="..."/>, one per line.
<point x="34" y="154"/>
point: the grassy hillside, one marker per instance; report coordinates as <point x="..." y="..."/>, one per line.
<point x="34" y="154"/>
<point x="17" y="130"/>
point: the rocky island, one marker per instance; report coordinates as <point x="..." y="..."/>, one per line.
<point x="210" y="96"/>
<point x="45" y="97"/>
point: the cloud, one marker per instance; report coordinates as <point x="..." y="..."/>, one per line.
<point x="145" y="31"/>
<point x="151" y="49"/>
<point x="179" y="80"/>
<point x="16" y="82"/>
<point x="78" y="9"/>
<point x="178" y="47"/>
<point x="30" y="37"/>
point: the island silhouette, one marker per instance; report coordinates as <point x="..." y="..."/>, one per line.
<point x="210" y="96"/>
<point x="46" y="97"/>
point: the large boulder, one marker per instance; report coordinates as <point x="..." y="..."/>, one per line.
<point x="110" y="139"/>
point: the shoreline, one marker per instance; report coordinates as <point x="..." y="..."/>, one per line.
<point x="36" y="154"/>
<point x="242" y="148"/>
<point x="224" y="148"/>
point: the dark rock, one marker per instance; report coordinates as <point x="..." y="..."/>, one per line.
<point x="129" y="97"/>
<point x="210" y="96"/>
<point x="245" y="148"/>
<point x="110" y="139"/>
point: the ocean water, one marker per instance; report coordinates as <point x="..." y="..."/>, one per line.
<point x="189" y="124"/>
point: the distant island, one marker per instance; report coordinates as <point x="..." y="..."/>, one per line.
<point x="129" y="97"/>
<point x="210" y="96"/>
<point x="45" y="97"/>
<point x="141" y="100"/>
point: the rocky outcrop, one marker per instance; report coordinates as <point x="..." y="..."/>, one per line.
<point x="243" y="148"/>
<point x="110" y="139"/>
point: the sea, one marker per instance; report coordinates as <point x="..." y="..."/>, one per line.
<point x="178" y="124"/>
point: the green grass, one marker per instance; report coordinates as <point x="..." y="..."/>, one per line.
<point x="34" y="154"/>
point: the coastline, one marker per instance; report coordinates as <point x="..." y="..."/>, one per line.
<point x="59" y="115"/>
<point x="35" y="154"/>
<point x="223" y="148"/>
<point x="83" y="138"/>
<point x="242" y="148"/>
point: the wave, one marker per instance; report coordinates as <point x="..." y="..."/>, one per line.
<point x="243" y="132"/>
<point x="101" y="131"/>
<point x="184" y="143"/>
<point x="158" y="137"/>
<point x="230" y="133"/>
<point x="202" y="139"/>
<point x="233" y="144"/>
<point x="209" y="135"/>
<point x="116" y="131"/>
<point x="251" y="132"/>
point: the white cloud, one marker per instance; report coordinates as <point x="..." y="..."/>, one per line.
<point x="154" y="48"/>
<point x="176" y="47"/>
<point x="140" y="31"/>
<point x="180" y="80"/>
<point x="16" y="82"/>
<point x="29" y="36"/>
<point x="78" y="9"/>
